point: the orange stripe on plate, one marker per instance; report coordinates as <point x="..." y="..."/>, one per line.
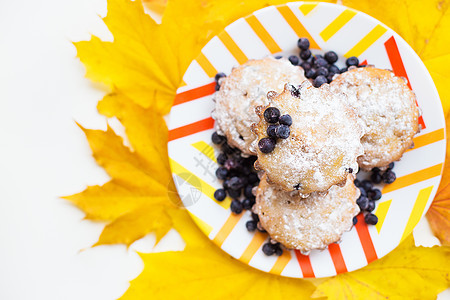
<point x="256" y="242"/>
<point x="428" y="138"/>
<point x="305" y="265"/>
<point x="234" y="49"/>
<point x="281" y="263"/>
<point x="395" y="58"/>
<point x="307" y="8"/>
<point x="192" y="128"/>
<point x="226" y="229"/>
<point x="338" y="259"/>
<point x="413" y="178"/>
<point x="337" y="24"/>
<point x="397" y="65"/>
<point x="366" y="41"/>
<point x="296" y="25"/>
<point x="206" y="65"/>
<point x="417" y="211"/>
<point x="366" y="240"/>
<point x="262" y="33"/>
<point x="199" y="92"/>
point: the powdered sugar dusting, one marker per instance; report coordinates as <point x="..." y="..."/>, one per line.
<point x="244" y="89"/>
<point x="386" y="106"/>
<point x="307" y="223"/>
<point x="323" y="145"/>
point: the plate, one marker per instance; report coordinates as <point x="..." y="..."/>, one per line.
<point x="275" y="30"/>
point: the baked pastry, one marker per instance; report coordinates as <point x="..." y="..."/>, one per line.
<point x="244" y="89"/>
<point x="387" y="108"/>
<point x="323" y="144"/>
<point x="307" y="223"/>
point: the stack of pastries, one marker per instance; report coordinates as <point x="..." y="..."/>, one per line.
<point x="310" y="142"/>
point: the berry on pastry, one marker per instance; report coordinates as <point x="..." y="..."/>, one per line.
<point x="244" y="89"/>
<point x="318" y="149"/>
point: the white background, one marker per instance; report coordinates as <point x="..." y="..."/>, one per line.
<point x="44" y="242"/>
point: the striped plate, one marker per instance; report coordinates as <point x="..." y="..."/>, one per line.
<point x="274" y="30"/>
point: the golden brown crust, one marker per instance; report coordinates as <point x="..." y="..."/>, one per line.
<point x="386" y="106"/>
<point x="307" y="223"/>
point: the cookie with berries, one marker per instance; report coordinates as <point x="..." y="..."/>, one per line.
<point x="318" y="149"/>
<point x="307" y="223"/>
<point x="388" y="109"/>
<point x="244" y="89"/>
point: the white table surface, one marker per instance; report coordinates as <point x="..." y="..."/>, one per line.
<point x="45" y="243"/>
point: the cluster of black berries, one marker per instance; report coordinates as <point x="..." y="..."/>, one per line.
<point x="387" y="177"/>
<point x="239" y="178"/>
<point x="238" y="175"/>
<point x="278" y="129"/>
<point x="319" y="68"/>
<point x="270" y="247"/>
<point x="216" y="79"/>
<point x="369" y="194"/>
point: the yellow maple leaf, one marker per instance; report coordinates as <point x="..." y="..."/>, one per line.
<point x="203" y="271"/>
<point x="136" y="62"/>
<point x="136" y="201"/>
<point x="148" y="218"/>
<point x="408" y="272"/>
<point x="424" y="25"/>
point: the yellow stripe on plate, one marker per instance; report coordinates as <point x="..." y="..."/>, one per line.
<point x="256" y="242"/>
<point x="416" y="214"/>
<point x="428" y="138"/>
<point x="366" y="41"/>
<point x="193" y="180"/>
<point x="183" y="83"/>
<point x="206" y="65"/>
<point x="226" y="229"/>
<point x="413" y="178"/>
<point x="232" y="47"/>
<point x="281" y="263"/>
<point x="206" y="149"/>
<point x="337" y="24"/>
<point x="205" y="227"/>
<point x="307" y="8"/>
<point x="262" y="33"/>
<point x="296" y="25"/>
<point x="381" y="213"/>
